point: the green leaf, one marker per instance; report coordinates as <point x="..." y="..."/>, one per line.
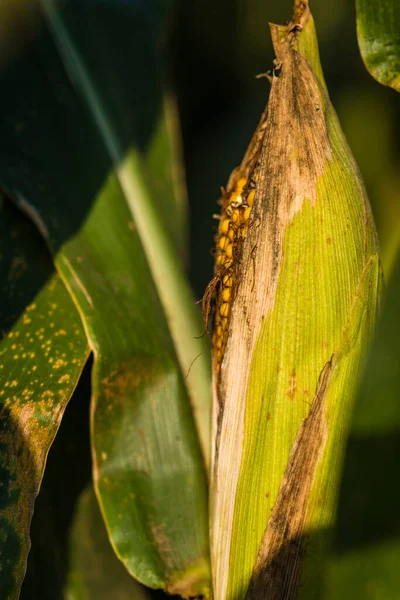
<point x="379" y="39"/>
<point x="94" y="571"/>
<point x="67" y="473"/>
<point x="82" y="154"/>
<point x="43" y="349"/>
<point x="366" y="553"/>
<point x="130" y="145"/>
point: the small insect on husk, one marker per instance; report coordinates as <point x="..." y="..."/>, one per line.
<point x="296" y="289"/>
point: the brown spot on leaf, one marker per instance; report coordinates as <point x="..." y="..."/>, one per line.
<point x="292" y="384"/>
<point x="163" y="544"/>
<point x="122" y="379"/>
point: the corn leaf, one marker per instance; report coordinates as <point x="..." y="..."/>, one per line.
<point x="134" y="133"/>
<point x="67" y="473"/>
<point x="43" y="349"/>
<point x="85" y="153"/>
<point x="366" y="550"/>
<point x="94" y="571"/>
<point x="306" y="288"/>
<point x="379" y="39"/>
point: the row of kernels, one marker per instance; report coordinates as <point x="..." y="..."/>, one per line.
<point x="226" y="246"/>
<point x="230" y="227"/>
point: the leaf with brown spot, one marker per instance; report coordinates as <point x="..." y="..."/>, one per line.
<point x="39" y="369"/>
<point x="94" y="167"/>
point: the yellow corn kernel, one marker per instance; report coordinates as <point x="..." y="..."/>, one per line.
<point x="229" y="250"/>
<point x="250" y="197"/>
<point x="226" y="294"/>
<point x="231" y="234"/>
<point x="220" y="260"/>
<point x="235" y="215"/>
<point x="222" y="241"/>
<point x="227" y="281"/>
<point x="247" y="213"/>
<point x="224" y="310"/>
<point x="240" y="184"/>
<point x="224" y="226"/>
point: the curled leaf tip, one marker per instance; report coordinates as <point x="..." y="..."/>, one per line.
<point x="301" y="13"/>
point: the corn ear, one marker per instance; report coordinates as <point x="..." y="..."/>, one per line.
<point x="300" y="260"/>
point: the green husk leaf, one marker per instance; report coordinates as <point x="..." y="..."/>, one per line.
<point x="93" y="187"/>
<point x="43" y="349"/>
<point x="379" y="39"/>
<point x="366" y="551"/>
<point x="94" y="571"/>
<point x="302" y="318"/>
